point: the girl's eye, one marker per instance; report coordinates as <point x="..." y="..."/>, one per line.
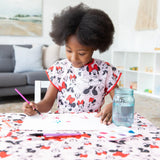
<point x="69" y="51"/>
<point x="81" y="54"/>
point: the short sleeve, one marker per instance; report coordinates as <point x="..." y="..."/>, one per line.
<point x="53" y="75"/>
<point x="113" y="77"/>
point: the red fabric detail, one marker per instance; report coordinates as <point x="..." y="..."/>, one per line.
<point x="153" y="146"/>
<point x="80" y="102"/>
<point x="71" y="100"/>
<point x="18" y="121"/>
<point x="73" y="76"/>
<point x="51" y="68"/>
<point x="91" y="99"/>
<point x="107" y="63"/>
<point x="3" y="154"/>
<point x="118" y="153"/>
<point x="44" y="147"/>
<point x="58" y="67"/>
<point x="115" y="83"/>
<point x="83" y="155"/>
<point x="60" y="138"/>
<point x="90" y="68"/>
<point x="51" y="81"/>
<point x="62" y="87"/>
<point x="100" y="153"/>
<point x="67" y="148"/>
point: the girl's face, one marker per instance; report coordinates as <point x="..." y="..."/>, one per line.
<point x="79" y="55"/>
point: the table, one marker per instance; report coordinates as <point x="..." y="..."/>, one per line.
<point x="15" y="144"/>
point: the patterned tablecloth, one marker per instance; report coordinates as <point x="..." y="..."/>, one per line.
<point x="15" y="144"/>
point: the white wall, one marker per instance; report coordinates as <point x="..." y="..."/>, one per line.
<point x="128" y="38"/>
<point x="50" y="7"/>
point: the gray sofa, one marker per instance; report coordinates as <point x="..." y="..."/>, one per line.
<point x="9" y="80"/>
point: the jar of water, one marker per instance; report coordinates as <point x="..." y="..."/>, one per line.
<point x="123" y="107"/>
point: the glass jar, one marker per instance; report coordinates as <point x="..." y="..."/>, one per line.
<point x="123" y="107"/>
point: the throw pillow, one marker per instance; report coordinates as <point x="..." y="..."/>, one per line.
<point x="50" y="55"/>
<point x="28" y="59"/>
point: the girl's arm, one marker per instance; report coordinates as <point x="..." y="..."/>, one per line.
<point x="47" y="102"/>
<point x="106" y="111"/>
<point x="44" y="105"/>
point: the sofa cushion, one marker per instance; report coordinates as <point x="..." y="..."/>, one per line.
<point x="12" y="80"/>
<point x="28" y="59"/>
<point x="37" y="75"/>
<point x="6" y="58"/>
<point x="50" y="55"/>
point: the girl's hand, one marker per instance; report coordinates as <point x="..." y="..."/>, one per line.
<point x="106" y="114"/>
<point x="29" y="108"/>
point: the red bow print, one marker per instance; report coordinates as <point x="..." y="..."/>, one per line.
<point x="51" y="68"/>
<point x="63" y="86"/>
<point x="71" y="100"/>
<point x="57" y="68"/>
<point x="74" y="76"/>
<point x="91" y="99"/>
<point x="92" y="68"/>
<point x="80" y="102"/>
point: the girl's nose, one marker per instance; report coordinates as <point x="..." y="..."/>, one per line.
<point x="74" y="57"/>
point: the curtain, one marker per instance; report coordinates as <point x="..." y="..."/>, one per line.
<point x="147" y="15"/>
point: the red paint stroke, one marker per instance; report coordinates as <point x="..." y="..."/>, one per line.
<point x="103" y="133"/>
<point x="153" y="146"/>
<point x="144" y="125"/>
<point x="18" y="121"/>
<point x="60" y="138"/>
<point x="113" y="137"/>
<point x="6" y="122"/>
<point x="9" y="134"/>
<point x="16" y="130"/>
<point x="100" y="137"/>
<point x="83" y="155"/>
<point x="15" y="138"/>
<point x="56" y="117"/>
<point x="138" y="135"/>
<point x="3" y="154"/>
<point x="118" y="153"/>
<point x="45" y="147"/>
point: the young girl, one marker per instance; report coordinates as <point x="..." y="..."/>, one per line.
<point x="80" y="83"/>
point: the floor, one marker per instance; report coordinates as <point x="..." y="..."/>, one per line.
<point x="146" y="106"/>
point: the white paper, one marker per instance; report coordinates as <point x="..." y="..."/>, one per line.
<point x="50" y="123"/>
<point x="81" y="121"/>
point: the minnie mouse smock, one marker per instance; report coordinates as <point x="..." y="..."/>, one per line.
<point x="82" y="89"/>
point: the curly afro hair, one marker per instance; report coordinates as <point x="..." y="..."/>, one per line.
<point x="92" y="27"/>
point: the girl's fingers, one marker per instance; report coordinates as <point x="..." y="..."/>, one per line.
<point x="99" y="114"/>
<point x="28" y="109"/>
<point x="110" y="121"/>
<point x="106" y="118"/>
